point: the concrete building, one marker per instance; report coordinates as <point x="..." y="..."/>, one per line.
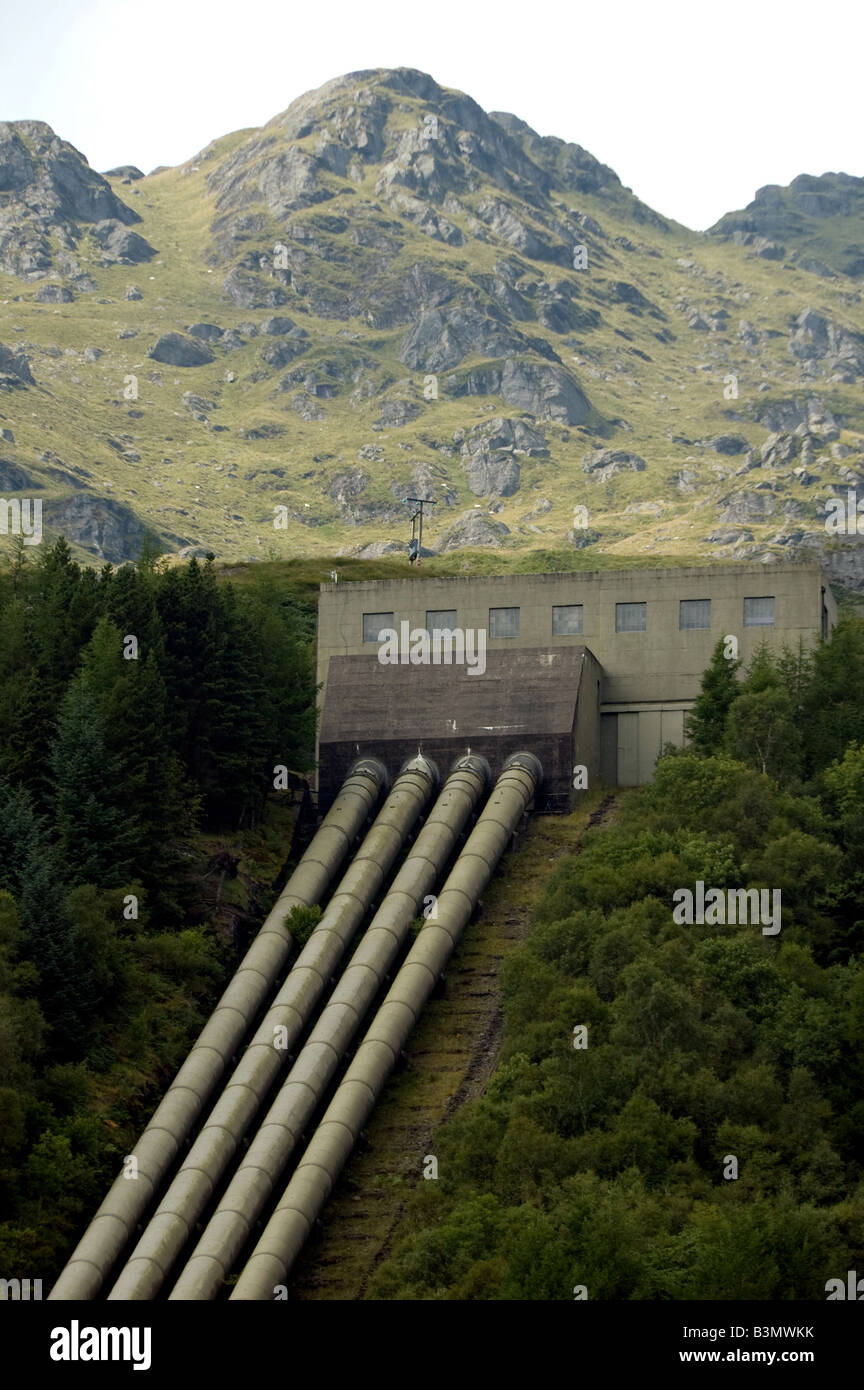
<point x="594" y="670"/>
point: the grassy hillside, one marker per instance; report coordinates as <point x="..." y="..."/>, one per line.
<point x="407" y="264"/>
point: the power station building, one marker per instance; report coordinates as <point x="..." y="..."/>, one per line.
<point x="593" y="670"/>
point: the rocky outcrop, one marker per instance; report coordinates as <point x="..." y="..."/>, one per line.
<point x="250" y="291"/>
<point x="469" y="531"/>
<point x="14" y="369"/>
<point x="488" y="455"/>
<point x="47" y="191"/>
<point x="538" y="388"/>
<point x="604" y="464"/>
<point x="747" y="506"/>
<point x="127" y="172"/>
<point x="108" y="529"/>
<point x="795" y="215"/>
<point x="207" y="332"/>
<point x="727" y="444"/>
<point x="837" y="350"/>
<point x="13" y="478"/>
<point x="441" y="338"/>
<point x="397" y="413"/>
<point x="119" y="246"/>
<point x="54" y="294"/>
<point x="178" y="350"/>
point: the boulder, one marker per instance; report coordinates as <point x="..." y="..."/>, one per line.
<point x="727" y="444"/>
<point x="178" y="350"/>
<point x="250" y="291"/>
<point x="207" y="332"/>
<point x="471" y="530"/>
<point x="604" y="464"/>
<point x="119" y="245"/>
<point x="276" y="326"/>
<point x="54" y="294"/>
<point x="543" y="390"/>
<point x="14" y="368"/>
<point x="747" y="506"/>
<point x="396" y="413"/>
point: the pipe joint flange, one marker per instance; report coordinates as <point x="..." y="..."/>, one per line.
<point x="472" y="762"/>
<point x="527" y="762"/>
<point x="373" y="768"/>
<point x="426" y="767"/>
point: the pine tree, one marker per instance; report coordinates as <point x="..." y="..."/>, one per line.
<point x="93" y="815"/>
<point x="705" y="725"/>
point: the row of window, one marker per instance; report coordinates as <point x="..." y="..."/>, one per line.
<point x="693" y="613"/>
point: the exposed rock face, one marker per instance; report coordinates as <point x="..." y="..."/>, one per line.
<point x="727" y="444"/>
<point x="794" y="216"/>
<point x="442" y="337"/>
<point x="47" y="190"/>
<point x="125" y="171"/>
<point x="207" y="332"/>
<point x="14" y="368"/>
<point x="250" y="291"/>
<point x="276" y="326"/>
<point x="790" y="414"/>
<point x="13" y="478"/>
<point x="178" y="350"/>
<point x="376" y="549"/>
<point x="54" y="294"/>
<point x="488" y="455"/>
<point x="471" y="530"/>
<point x="397" y="413"/>
<point x="538" y="388"/>
<point x="747" y="506"/>
<point x="108" y="529"/>
<point x="604" y="464"/>
<point x="119" y="245"/>
<point x="839" y="351"/>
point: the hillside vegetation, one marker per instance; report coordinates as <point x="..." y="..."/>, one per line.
<point x="604" y="1171"/>
<point x="135" y="852"/>
<point x="386" y="292"/>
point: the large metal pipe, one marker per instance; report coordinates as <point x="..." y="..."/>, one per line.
<point x="192" y="1087"/>
<point x="309" y="1078"/>
<point x="336" y="1135"/>
<point x="198" y="1176"/>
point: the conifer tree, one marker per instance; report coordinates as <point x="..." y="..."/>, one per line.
<point x="705" y="725"/>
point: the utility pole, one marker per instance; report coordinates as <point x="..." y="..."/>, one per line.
<point x="416" y="546"/>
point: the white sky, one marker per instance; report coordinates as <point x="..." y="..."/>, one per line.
<point x="694" y="104"/>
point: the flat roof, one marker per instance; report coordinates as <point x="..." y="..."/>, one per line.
<point x="588" y="576"/>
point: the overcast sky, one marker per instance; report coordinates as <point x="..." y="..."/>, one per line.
<point x="694" y="105"/>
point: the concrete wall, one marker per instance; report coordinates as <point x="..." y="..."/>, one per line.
<point x="530" y="698"/>
<point x="649" y="677"/>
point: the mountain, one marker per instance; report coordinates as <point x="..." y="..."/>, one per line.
<point x="386" y="291"/>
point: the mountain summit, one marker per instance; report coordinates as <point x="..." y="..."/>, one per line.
<point x="386" y="291"/>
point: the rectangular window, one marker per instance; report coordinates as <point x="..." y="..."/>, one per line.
<point x="373" y="623"/>
<point x="694" y="612"/>
<point x="759" y="612"/>
<point x="503" y="622"/>
<point x="630" y="617"/>
<point x="566" y="619"/>
<point x="442" y="618"/>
